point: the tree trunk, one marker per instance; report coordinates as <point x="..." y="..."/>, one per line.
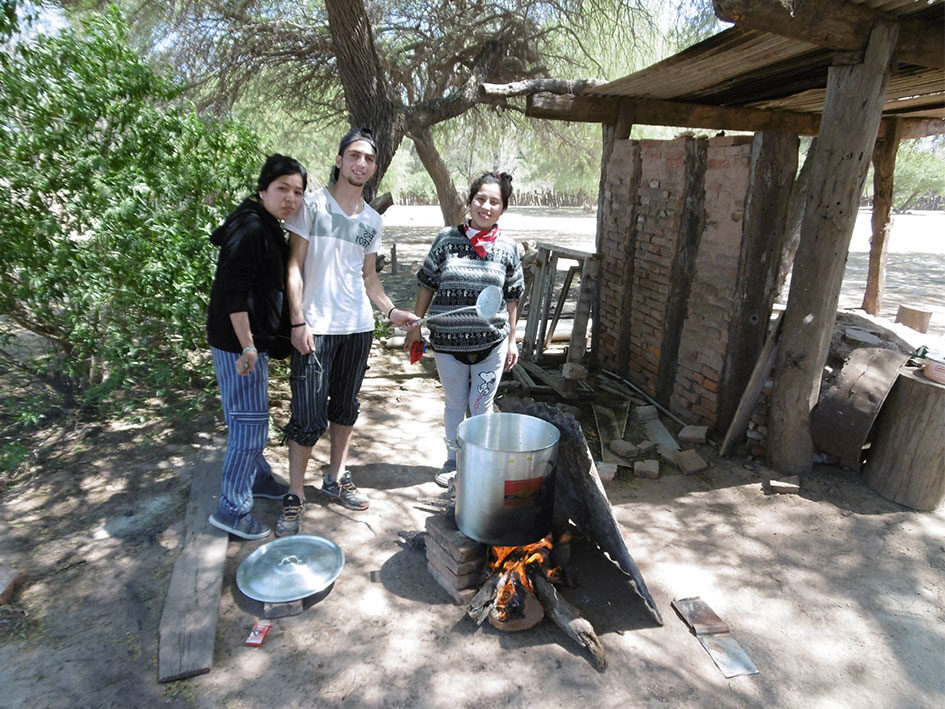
<point x="836" y="182"/>
<point x="906" y="461"/>
<point x="452" y="204"/>
<point x="884" y="164"/>
<point x="368" y="96"/>
<point x="794" y="217"/>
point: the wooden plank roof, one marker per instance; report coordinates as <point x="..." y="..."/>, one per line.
<point x="748" y="68"/>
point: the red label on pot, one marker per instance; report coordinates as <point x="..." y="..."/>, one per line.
<point x="522" y="492"/>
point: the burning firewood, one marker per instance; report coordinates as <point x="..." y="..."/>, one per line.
<point x="520" y="592"/>
<point x="516" y="607"/>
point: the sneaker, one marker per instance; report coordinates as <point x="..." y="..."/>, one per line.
<point x="269" y="488"/>
<point x="290" y="519"/>
<point x="446" y="475"/>
<point x="344" y="492"/>
<point x="245" y="527"/>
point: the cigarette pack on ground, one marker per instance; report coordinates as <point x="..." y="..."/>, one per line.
<point x="258" y="633"/>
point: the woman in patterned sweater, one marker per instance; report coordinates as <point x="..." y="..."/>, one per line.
<point x="470" y="352"/>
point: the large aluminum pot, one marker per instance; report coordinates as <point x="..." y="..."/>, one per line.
<point x="505" y="466"/>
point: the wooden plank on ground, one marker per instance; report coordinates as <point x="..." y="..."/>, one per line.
<point x="611" y="424"/>
<point x="189" y="621"/>
<point x="554" y="380"/>
<point x="660" y="435"/>
<point x="756" y="383"/>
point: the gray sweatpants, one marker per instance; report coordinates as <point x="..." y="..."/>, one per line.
<point x="468" y="388"/>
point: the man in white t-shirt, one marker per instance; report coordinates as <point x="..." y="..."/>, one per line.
<point x="331" y="282"/>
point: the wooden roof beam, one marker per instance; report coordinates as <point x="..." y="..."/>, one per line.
<point x="606" y="109"/>
<point x="839" y="25"/>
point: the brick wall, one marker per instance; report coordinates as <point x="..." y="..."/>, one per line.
<point x="711" y="301"/>
<point x="617" y="210"/>
<point x="659" y="212"/>
<point x="645" y="205"/>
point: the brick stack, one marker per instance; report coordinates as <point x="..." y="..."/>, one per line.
<point x="661" y="210"/>
<point x="711" y="305"/>
<point x="455" y="561"/>
<point x="618" y="212"/>
<point x="644" y="210"/>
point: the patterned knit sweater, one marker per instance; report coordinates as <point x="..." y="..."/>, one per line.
<point x="457" y="274"/>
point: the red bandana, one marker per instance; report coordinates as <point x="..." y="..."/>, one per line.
<point x="481" y="241"/>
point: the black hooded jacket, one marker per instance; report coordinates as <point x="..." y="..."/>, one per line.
<point x="250" y="277"/>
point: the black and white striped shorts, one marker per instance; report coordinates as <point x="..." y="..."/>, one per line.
<point x="325" y="385"/>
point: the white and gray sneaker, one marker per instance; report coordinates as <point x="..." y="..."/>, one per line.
<point x="446" y="474"/>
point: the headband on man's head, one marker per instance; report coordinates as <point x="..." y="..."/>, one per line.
<point x="356" y="134"/>
<point x="352" y="136"/>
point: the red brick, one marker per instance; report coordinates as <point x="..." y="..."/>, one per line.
<point x="688" y="461"/>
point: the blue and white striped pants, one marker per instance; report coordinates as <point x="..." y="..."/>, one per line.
<point x="246" y="411"/>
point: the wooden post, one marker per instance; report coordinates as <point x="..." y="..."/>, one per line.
<point x="549" y="335"/>
<point x="795" y="216"/>
<point x="530" y="339"/>
<point x="841" y="161"/>
<point x="884" y="164"/>
<point x="549" y="287"/>
<point x="906" y="461"/>
<point x="773" y="164"/>
<point x="683" y="268"/>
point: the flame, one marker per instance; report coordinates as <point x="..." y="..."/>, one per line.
<point x="514" y="564"/>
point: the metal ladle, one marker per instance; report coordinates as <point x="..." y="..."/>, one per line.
<point x="487" y="305"/>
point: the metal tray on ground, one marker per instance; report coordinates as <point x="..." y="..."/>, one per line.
<point x="290" y="568"/>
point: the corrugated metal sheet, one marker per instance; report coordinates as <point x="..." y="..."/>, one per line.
<point x="754" y="69"/>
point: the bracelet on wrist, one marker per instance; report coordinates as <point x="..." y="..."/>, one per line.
<point x="298" y="324"/>
<point x="249" y="349"/>
<point x="390" y="311"/>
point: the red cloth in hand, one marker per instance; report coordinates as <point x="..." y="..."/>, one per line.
<point x="416" y="351"/>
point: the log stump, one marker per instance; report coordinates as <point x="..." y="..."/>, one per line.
<point x="906" y="462"/>
<point x="915" y="317"/>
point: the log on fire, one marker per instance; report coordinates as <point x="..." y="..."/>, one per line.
<point x="520" y="592"/>
<point x="520" y="612"/>
<point x="508" y="598"/>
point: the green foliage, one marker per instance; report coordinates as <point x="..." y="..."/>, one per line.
<point x="107" y="195"/>
<point x="920" y="171"/>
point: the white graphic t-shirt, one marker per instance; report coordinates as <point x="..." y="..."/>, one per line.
<point x="334" y="300"/>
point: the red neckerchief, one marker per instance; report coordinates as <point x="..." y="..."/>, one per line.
<point x="481" y="241"/>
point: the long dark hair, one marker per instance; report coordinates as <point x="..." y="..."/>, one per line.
<point x="502" y="179"/>
<point x="276" y="166"/>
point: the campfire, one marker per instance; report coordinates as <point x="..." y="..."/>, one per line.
<point x="520" y="592"/>
<point x="514" y="593"/>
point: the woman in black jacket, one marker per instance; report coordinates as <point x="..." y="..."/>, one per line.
<point x="247" y="321"/>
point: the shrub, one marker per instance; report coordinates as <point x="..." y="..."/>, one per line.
<point x="108" y="191"/>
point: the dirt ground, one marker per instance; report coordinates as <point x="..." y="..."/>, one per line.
<point x="837" y="595"/>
